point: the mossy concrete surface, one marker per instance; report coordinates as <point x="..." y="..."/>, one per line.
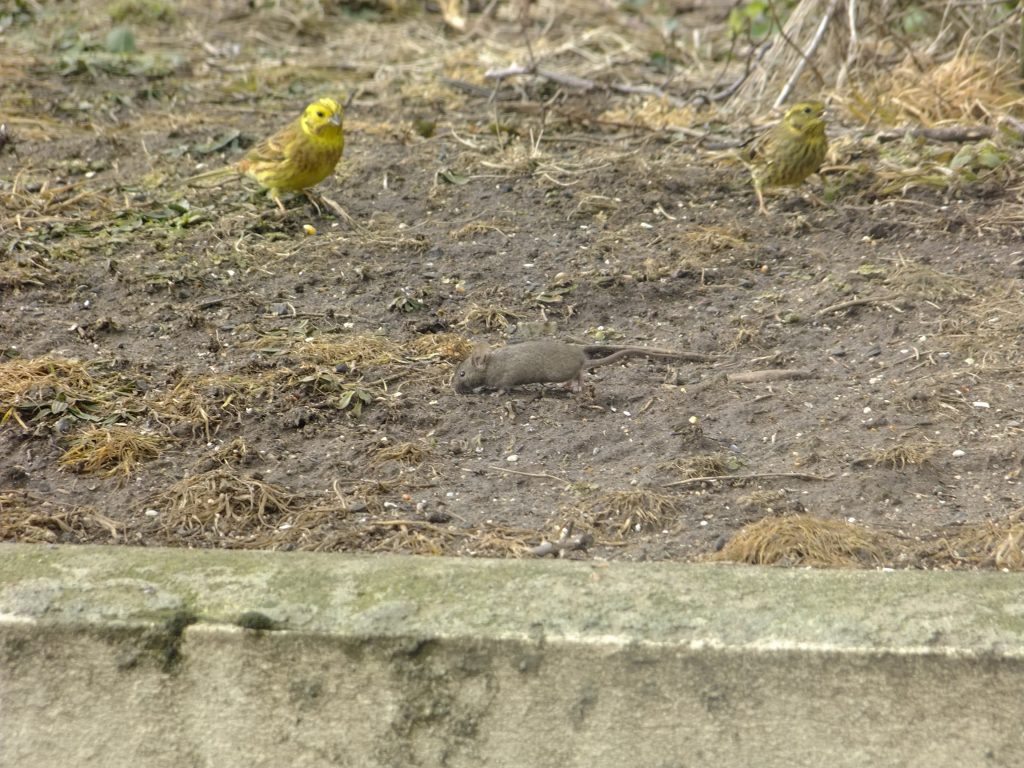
<point x="148" y="658"/>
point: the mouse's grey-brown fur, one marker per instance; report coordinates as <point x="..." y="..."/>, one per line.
<point x="543" y="361"/>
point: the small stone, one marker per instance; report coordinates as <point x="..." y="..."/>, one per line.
<point x="958" y="453"/>
<point x="512" y="458"/>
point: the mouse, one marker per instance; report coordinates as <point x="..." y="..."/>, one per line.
<point x="545" y="361"/>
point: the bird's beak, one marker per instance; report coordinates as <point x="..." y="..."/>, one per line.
<point x="335" y="119"/>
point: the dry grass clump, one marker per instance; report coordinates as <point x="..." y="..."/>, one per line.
<point x="23" y="271"/>
<point x="205" y="401"/>
<point x="29" y="518"/>
<point x="998" y="544"/>
<point x="987" y="330"/>
<point x="223" y="507"/>
<point x="111" y="450"/>
<point x="967" y="87"/>
<point x="917" y="281"/>
<point x="805" y="540"/>
<point x="48" y="387"/>
<point x="408" y="453"/>
<point x="703" y="465"/>
<point x="490" y="318"/>
<point x="633" y="510"/>
<point x="900" y="455"/>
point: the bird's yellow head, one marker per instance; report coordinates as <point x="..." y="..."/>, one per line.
<point x="322" y="120"/>
<point x="805" y="117"/>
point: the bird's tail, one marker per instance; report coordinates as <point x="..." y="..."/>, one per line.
<point x="217" y="174"/>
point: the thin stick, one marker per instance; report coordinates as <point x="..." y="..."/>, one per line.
<point x="854" y="303"/>
<point x="951" y="133"/>
<point x="805" y="58"/>
<point x="542" y="475"/>
<point x="581" y="83"/>
<point x="770" y="374"/>
<point x="755" y="476"/>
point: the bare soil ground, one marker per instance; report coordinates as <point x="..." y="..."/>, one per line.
<point x="189" y="367"/>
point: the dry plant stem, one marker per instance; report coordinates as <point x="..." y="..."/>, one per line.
<point x="542" y="475"/>
<point x="772" y="374"/>
<point x="805" y="56"/>
<point x="854" y="303"/>
<point x="582" y="83"/>
<point x="755" y="476"/>
<point x="951" y="133"/>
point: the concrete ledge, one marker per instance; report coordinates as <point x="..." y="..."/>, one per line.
<point x="147" y="658"/>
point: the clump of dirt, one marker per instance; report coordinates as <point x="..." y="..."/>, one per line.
<point x="210" y="371"/>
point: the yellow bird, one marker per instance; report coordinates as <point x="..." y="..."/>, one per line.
<point x="789" y="152"/>
<point x="297" y="157"/>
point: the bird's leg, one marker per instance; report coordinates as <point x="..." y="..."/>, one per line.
<point x="276" y="197"/>
<point x="312" y="199"/>
<point x="761" y="208"/>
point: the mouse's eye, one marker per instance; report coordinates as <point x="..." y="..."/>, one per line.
<point x="462" y="374"/>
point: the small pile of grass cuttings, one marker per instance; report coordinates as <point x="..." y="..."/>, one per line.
<point x="913" y="280"/>
<point x="421" y="537"/>
<point x="48" y="388"/>
<point x="352" y="371"/>
<point x="808" y="541"/>
<point x="29" y="518"/>
<point x="339" y="528"/>
<point x="992" y="544"/>
<point x="23" y="270"/>
<point x="224" y="507"/>
<point x="408" y="453"/>
<point x="111" y="450"/>
<point x="703" y="465"/>
<point x="481" y="318"/>
<point x="899" y="455"/>
<point x="930" y="91"/>
<point x="986" y="329"/>
<point x="631" y="510"/>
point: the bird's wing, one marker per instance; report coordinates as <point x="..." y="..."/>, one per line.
<point x="269" y="151"/>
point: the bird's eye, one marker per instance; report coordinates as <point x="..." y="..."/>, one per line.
<point x="319" y="113"/>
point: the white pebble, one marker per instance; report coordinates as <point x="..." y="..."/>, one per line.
<point x="980" y="404"/>
<point x="958" y="453"/>
<point x="512" y="457"/>
<point x="151" y="513"/>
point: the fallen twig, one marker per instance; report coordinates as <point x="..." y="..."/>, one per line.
<point x="854" y="303"/>
<point x="805" y="56"/>
<point x="769" y="374"/>
<point x="755" y="476"/>
<point x="528" y="474"/>
<point x="582" y="83"/>
<point x="953" y="133"/>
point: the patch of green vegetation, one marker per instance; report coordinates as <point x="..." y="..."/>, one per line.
<point x="758" y="20"/>
<point x="142" y="11"/>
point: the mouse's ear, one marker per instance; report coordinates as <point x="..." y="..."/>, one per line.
<point x="479" y="356"/>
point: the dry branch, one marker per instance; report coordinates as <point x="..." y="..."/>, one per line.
<point x="771" y="374"/>
<point x="582" y="83"/>
<point x="754" y="476"/>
